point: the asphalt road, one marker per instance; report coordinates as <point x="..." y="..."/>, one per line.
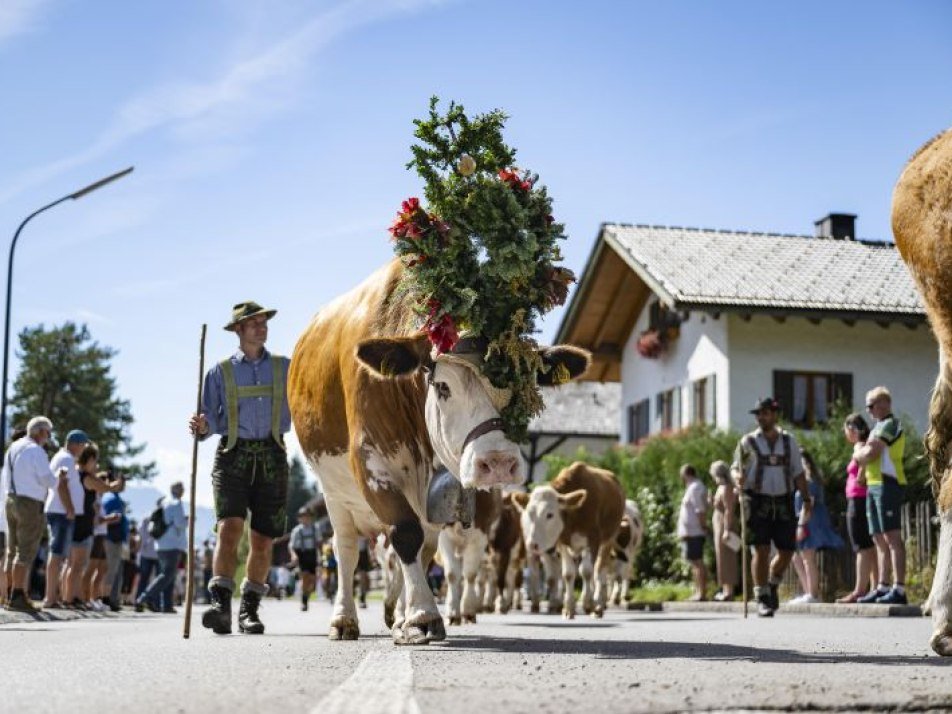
<point x="629" y="661"/>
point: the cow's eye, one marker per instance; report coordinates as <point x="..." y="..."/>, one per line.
<point x="442" y="390"/>
<point x="548" y="515"/>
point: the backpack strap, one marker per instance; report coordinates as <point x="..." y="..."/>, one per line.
<point x="275" y="391"/>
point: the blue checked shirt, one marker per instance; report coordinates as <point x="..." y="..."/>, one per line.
<point x="254" y="414"/>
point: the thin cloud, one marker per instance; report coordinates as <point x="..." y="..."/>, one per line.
<point x="180" y="104"/>
<point x="19" y="16"/>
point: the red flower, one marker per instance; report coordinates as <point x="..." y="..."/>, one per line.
<point x="513" y="179"/>
<point x="442" y="332"/>
<point x="650" y="344"/>
<point x="406" y="224"/>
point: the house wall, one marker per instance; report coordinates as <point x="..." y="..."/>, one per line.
<point x="698" y="352"/>
<point x="904" y="360"/>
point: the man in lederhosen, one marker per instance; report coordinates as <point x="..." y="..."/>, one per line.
<point x="767" y="468"/>
<point x="245" y="402"/>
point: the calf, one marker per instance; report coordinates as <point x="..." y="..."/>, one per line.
<point x="462" y="550"/>
<point x="577" y="514"/>
<point x="627" y="541"/>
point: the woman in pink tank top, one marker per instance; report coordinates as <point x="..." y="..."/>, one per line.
<point x="856" y="431"/>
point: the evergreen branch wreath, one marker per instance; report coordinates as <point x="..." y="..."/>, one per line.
<point x="482" y="256"/>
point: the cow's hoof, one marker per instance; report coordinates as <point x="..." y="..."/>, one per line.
<point x="941" y="642"/>
<point x="616" y="601"/>
<point x="598" y="612"/>
<point x="534" y="607"/>
<point x="588" y="608"/>
<point x="568" y="614"/>
<point x="343" y="628"/>
<point x="502" y="610"/>
<point x="388" y="616"/>
<point x="435" y="631"/>
<point x="455" y="620"/>
<point x="469" y="619"/>
<point x="411" y="635"/>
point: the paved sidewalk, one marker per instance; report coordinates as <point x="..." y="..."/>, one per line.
<point x="820" y="609"/>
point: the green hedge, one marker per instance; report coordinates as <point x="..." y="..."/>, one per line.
<point x="649" y="474"/>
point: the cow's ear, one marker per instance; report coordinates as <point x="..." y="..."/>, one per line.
<point x="573" y="499"/>
<point x="519" y="500"/>
<point x="389" y="357"/>
<point x="563" y="363"/>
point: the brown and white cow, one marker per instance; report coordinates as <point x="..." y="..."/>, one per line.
<point x="462" y="549"/>
<point x="578" y="514"/>
<point x="627" y="542"/>
<point x="374" y="409"/>
<point x="922" y="226"/>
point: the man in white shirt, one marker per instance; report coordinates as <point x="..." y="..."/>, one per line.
<point x="692" y="528"/>
<point x="30" y="478"/>
<point x="170" y="547"/>
<point x="65" y="502"/>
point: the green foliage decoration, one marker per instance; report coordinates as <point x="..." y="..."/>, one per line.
<point x="481" y="257"/>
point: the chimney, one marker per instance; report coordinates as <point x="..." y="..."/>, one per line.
<point x="838" y="226"/>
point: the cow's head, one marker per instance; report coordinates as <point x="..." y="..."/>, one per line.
<point x="542" y="518"/>
<point x="462" y="407"/>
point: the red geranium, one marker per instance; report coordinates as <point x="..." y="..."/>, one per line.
<point x="407" y="223"/>
<point x="514" y="180"/>
<point x="441" y="331"/>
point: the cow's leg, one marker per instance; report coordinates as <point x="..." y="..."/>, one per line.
<point x="394" y="589"/>
<point x="490" y="585"/>
<point x="473" y="552"/>
<point x="569" y="573"/>
<point x="421" y="622"/>
<point x="552" y="565"/>
<point x="515" y="567"/>
<point x="453" y="570"/>
<point x="587" y="571"/>
<point x="534" y="586"/>
<point x="503" y="581"/>
<point x="343" y="624"/>
<point x="602" y="569"/>
<point x="627" y="573"/>
<point x="617" y="571"/>
<point x="941" y="596"/>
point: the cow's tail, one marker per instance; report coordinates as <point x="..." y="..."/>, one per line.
<point x="938" y="439"/>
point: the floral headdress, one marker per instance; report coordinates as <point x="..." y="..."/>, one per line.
<point x="481" y="256"/>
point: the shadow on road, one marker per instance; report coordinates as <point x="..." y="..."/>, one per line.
<point x="674" y="650"/>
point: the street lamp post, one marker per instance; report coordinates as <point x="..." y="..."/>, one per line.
<point x="6" y="326"/>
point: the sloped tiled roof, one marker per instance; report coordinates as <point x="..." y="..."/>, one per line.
<point x="693" y="267"/>
<point x="583" y="408"/>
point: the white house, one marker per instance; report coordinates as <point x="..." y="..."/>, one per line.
<point x="697" y="324"/>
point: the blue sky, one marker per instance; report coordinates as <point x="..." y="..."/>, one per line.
<point x="270" y="138"/>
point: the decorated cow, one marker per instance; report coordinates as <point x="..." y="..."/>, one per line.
<point x="922" y="226"/>
<point x="627" y="541"/>
<point x="429" y="362"/>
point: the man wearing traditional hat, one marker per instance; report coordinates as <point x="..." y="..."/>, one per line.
<point x="767" y="468"/>
<point x="245" y="402"/>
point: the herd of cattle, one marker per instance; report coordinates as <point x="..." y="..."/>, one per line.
<point x="579" y="525"/>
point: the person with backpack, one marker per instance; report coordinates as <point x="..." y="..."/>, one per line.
<point x="768" y="469"/>
<point x="168" y="525"/>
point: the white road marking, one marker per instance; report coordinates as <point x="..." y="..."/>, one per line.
<point x="381" y="684"/>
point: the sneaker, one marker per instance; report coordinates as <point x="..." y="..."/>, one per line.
<point x="78" y="605"/>
<point x="872" y="596"/>
<point x="796" y="600"/>
<point x="808" y="599"/>
<point x="95" y="606"/>
<point x="138" y="607"/>
<point x="893" y="597"/>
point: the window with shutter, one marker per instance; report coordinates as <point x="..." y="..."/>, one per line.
<point x="807" y="398"/>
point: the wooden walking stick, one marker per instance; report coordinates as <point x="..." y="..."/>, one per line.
<point x="190" y="561"/>
<point x="743" y="551"/>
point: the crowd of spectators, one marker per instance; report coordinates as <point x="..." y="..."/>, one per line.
<point x="874" y="492"/>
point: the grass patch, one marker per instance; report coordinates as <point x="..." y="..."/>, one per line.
<point x="660" y="592"/>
